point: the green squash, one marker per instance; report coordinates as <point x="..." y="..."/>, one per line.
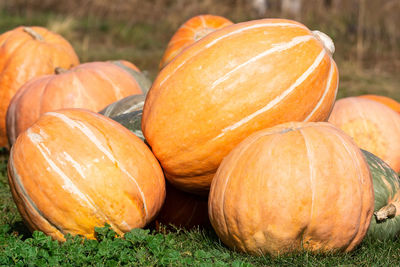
<point x="128" y="112"/>
<point x="124" y="106"/>
<point x="385" y="223"/>
<point x="132" y="121"/>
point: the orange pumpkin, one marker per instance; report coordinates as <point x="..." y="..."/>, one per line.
<point x="291" y="187"/>
<point x="373" y="126"/>
<point x="74" y="170"/>
<point x="25" y="53"/>
<point x="91" y="86"/>
<point x="183" y="209"/>
<point x="191" y="31"/>
<point x="387" y="101"/>
<point x="233" y="82"/>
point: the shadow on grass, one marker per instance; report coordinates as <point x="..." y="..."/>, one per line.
<point x="19" y="229"/>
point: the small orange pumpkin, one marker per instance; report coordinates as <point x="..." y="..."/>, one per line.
<point x="74" y="170"/>
<point x="235" y="81"/>
<point x="293" y="187"/>
<point x="25" y="53"/>
<point x="92" y="86"/>
<point x="191" y="31"/>
<point x="373" y="126"/>
<point x="387" y="101"/>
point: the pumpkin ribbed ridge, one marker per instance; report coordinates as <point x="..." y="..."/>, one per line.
<point x="292" y="187"/>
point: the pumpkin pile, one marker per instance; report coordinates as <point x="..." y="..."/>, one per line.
<point x="239" y="130"/>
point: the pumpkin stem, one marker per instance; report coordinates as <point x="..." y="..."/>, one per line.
<point x="325" y="40"/>
<point x="59" y="70"/>
<point x="387" y="211"/>
<point x="34" y="34"/>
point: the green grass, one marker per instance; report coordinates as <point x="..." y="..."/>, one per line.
<point x="354" y="82"/>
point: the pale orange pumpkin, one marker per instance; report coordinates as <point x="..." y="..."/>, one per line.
<point x="74" y="170"/>
<point x="373" y="126"/>
<point x="191" y="31"/>
<point x="237" y="80"/>
<point x="92" y="86"/>
<point x="387" y="101"/>
<point x="25" y="53"/>
<point x="293" y="187"/>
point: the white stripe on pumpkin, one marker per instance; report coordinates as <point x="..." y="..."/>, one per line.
<point x="203" y="22"/>
<point x="31" y="205"/>
<point x="92" y="137"/>
<point x="215" y="41"/>
<point x="68" y="184"/>
<point x="328" y="86"/>
<point x="279" y="98"/>
<point x="275" y="49"/>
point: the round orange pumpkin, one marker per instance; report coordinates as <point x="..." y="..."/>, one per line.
<point x="191" y="31"/>
<point x="182" y="209"/>
<point x="25" y="53"/>
<point x="233" y="82"/>
<point x="293" y="187"/>
<point x="373" y="126"/>
<point x="74" y="170"/>
<point x="92" y="86"/>
<point x="387" y="101"/>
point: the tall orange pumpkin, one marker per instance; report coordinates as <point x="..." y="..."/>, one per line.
<point x="233" y="82"/>
<point x="91" y="86"/>
<point x="374" y="127"/>
<point x="291" y="187"/>
<point x="25" y="53"/>
<point x="387" y="101"/>
<point x="74" y="170"/>
<point x="191" y="31"/>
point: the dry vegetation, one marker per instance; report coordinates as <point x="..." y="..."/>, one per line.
<point x="365" y="32"/>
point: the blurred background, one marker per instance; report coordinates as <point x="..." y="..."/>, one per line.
<point x="366" y="32"/>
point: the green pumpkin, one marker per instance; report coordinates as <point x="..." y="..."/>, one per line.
<point x="124" y="105"/>
<point x="385" y="223"/>
<point x="128" y="112"/>
<point x="132" y="121"/>
<point x="140" y="77"/>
